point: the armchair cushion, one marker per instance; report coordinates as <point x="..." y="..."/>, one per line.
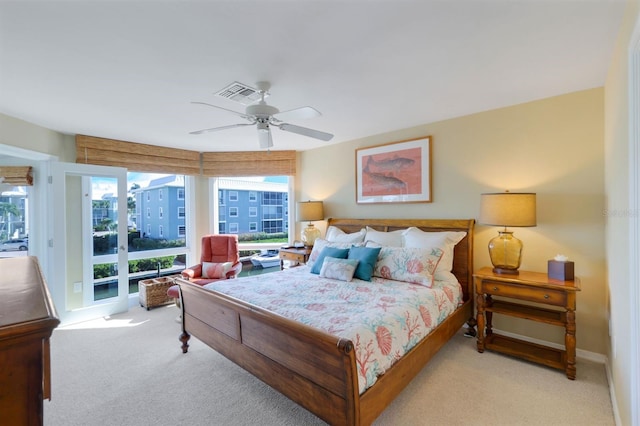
<point x="216" y="270"/>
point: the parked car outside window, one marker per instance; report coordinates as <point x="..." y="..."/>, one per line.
<point x="21" y="244"/>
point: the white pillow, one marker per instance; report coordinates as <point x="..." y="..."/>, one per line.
<point x="446" y="241"/>
<point x="337" y="235"/>
<point x="387" y="239"/>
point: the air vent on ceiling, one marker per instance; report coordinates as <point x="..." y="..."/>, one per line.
<point x="240" y="93"/>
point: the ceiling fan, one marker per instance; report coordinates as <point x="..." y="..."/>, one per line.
<point x="264" y="116"/>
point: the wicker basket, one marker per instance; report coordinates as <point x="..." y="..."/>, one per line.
<point x="153" y="292"/>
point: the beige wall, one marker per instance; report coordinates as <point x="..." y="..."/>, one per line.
<point x="553" y="147"/>
<point x="617" y="175"/>
<point x="28" y="136"/>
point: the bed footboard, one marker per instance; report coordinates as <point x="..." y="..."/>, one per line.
<point x="313" y="368"/>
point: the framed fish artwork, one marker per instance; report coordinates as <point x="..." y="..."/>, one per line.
<point x="398" y="172"/>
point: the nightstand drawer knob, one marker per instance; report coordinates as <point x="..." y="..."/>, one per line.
<point x="495" y="289"/>
<point x="546" y="296"/>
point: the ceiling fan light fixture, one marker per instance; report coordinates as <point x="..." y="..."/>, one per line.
<point x="264" y="135"/>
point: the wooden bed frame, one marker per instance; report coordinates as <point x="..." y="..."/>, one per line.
<point x="313" y="368"/>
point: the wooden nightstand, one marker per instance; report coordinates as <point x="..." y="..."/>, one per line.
<point x="299" y="255"/>
<point x="531" y="287"/>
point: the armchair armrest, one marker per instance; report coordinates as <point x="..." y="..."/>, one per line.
<point x="192" y="272"/>
<point x="235" y="270"/>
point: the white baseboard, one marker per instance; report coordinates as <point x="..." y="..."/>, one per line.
<point x="581" y="354"/>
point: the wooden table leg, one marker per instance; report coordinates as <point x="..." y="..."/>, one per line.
<point x="480" y="321"/>
<point x="570" y="344"/>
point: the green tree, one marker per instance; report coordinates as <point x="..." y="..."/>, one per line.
<point x="6" y="210"/>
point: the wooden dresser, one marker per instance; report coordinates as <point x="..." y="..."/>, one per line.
<point x="27" y="319"/>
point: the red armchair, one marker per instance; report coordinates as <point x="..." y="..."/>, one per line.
<point x="217" y="249"/>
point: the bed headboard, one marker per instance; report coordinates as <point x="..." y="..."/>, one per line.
<point x="463" y="252"/>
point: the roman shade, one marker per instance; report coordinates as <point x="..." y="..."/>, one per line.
<point x="251" y="163"/>
<point x="16" y="175"/>
<point x="156" y="159"/>
<point x="136" y="156"/>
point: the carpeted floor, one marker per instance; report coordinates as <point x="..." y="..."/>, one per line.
<point x="129" y="370"/>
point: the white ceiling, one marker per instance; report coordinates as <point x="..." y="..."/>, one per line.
<point x="129" y="70"/>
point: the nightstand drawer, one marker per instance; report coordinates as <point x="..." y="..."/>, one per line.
<point x="532" y="294"/>
<point x="285" y="255"/>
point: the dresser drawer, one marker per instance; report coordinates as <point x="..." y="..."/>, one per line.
<point x="532" y="294"/>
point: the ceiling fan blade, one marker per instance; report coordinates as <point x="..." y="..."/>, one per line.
<point x="215" y="129"/>
<point x="298" y="114"/>
<point x="239" y="114"/>
<point x="305" y="131"/>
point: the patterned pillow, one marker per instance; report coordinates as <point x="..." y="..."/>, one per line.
<point x="338" y="269"/>
<point x="215" y="270"/>
<point x="447" y="240"/>
<point x="413" y="265"/>
<point x="340" y="253"/>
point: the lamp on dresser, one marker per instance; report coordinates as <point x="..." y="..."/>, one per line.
<point x="309" y="211"/>
<point x="507" y="209"/>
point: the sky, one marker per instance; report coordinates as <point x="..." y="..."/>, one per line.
<point x="101" y="185"/>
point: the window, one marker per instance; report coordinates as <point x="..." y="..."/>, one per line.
<point x="14" y="220"/>
<point x="262" y="206"/>
<point x="167" y="246"/>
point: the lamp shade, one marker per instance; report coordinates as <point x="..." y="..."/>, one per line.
<point x="508" y="209"/>
<point x="309" y="211"/>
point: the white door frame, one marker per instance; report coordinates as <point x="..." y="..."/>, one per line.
<point x="58" y="280"/>
<point x="634" y="219"/>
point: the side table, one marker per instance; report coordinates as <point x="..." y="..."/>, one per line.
<point x="559" y="296"/>
<point x="299" y="255"/>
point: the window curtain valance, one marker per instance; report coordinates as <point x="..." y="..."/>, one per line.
<point x="251" y="163"/>
<point x="16" y="175"/>
<point x="156" y="159"/>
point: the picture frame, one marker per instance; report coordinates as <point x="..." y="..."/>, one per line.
<point x="397" y="172"/>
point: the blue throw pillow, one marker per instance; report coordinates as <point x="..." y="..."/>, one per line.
<point x="331" y="252"/>
<point x="367" y="257"/>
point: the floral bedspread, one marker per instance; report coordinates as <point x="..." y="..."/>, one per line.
<point x="384" y="319"/>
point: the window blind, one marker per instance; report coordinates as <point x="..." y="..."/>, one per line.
<point x="157" y="159"/>
<point x="251" y="163"/>
<point x="16" y="175"/>
<point x="136" y="156"/>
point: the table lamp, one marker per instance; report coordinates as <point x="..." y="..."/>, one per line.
<point x="507" y="209"/>
<point x="309" y="211"/>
